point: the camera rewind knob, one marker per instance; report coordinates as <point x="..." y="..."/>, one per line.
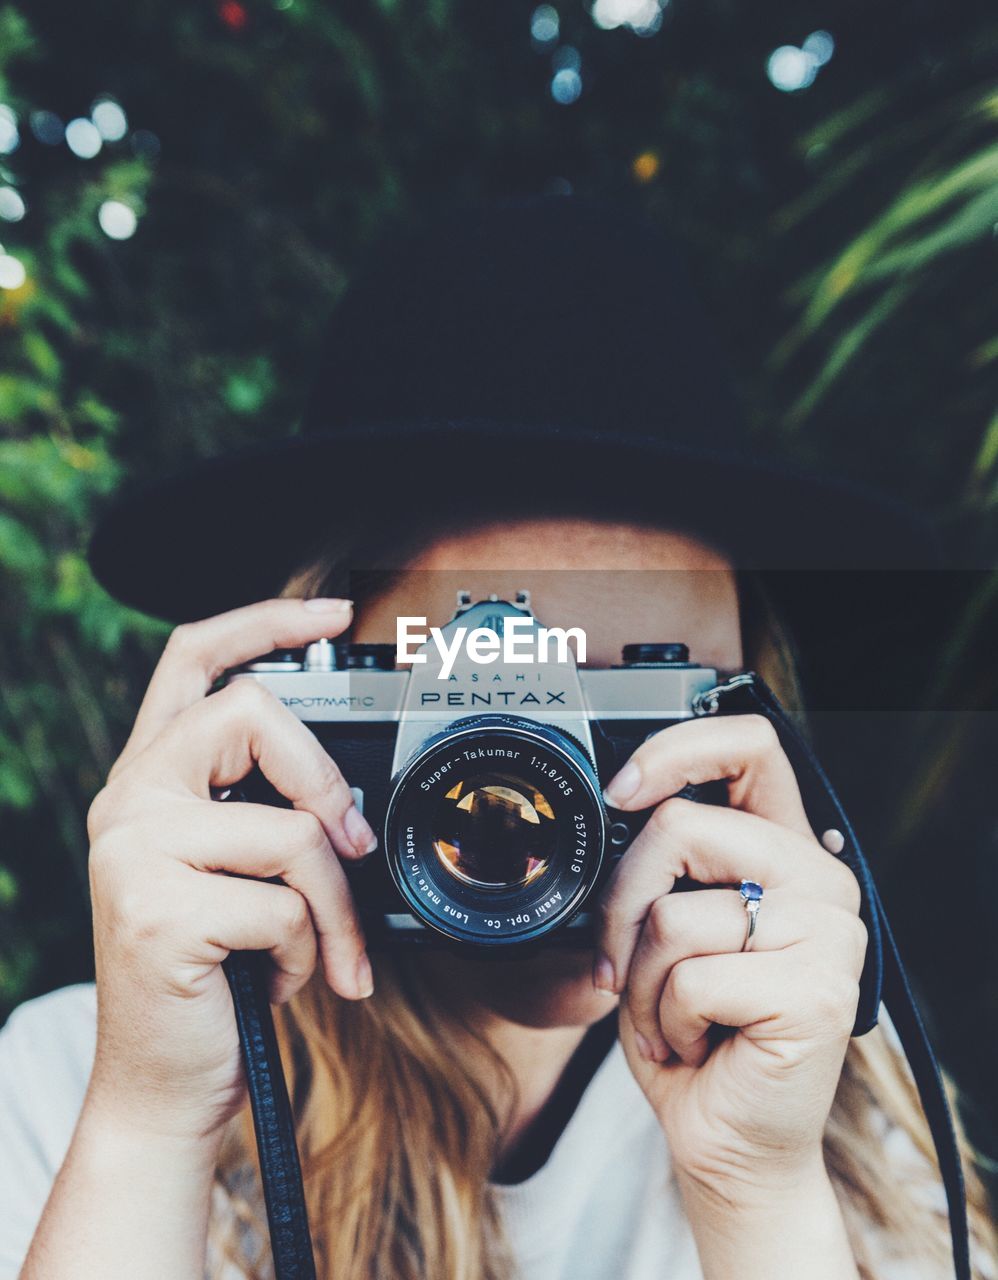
<point x="320" y="656"/>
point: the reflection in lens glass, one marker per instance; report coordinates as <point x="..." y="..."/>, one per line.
<point x="494" y="831"/>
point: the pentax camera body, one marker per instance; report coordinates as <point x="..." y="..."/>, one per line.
<point x="482" y="776"/>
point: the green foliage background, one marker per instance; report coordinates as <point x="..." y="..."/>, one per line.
<point x="845" y="235"/>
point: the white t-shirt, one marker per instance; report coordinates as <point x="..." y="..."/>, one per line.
<point x="604" y="1206"/>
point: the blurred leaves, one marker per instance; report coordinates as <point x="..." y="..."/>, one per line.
<point x="60" y="712"/>
<point x="930" y="218"/>
<point x="934" y="221"/>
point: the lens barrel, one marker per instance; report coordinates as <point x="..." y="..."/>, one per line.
<point x="495" y="830"/>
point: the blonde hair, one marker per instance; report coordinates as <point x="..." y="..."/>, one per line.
<point x="399" y="1130"/>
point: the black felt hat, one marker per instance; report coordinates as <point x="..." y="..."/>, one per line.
<point x="527" y="355"/>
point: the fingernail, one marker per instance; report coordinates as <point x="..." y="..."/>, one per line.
<point x="359" y="831"/>
<point x="327" y="604"/>
<point x="365" y="977"/>
<point x="644" y="1048"/>
<point x="603" y="976"/>
<point x="833" y="840"/>
<point x="620" y="789"/>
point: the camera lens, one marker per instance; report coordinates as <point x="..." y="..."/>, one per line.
<point x="495" y="830"/>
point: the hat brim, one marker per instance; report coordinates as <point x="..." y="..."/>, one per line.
<point x="231" y="530"/>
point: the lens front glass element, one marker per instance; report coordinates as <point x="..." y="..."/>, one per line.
<point x="494" y="831"/>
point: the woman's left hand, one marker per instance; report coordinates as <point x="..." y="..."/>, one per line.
<point x="746" y="1112"/>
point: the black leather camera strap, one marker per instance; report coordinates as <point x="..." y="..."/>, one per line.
<point x="280" y="1169"/>
<point x="883" y="979"/>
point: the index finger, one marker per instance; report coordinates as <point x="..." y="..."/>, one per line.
<point x="197" y="653"/>
<point x="743" y="751"/>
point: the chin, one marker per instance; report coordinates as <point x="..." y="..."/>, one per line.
<point x="552" y="988"/>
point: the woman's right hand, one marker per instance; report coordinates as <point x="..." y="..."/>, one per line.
<point x="165" y="917"/>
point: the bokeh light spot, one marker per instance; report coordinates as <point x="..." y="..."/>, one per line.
<point x="233" y="15"/>
<point x="12" y="208"/>
<point x="12" y="272"/>
<point x="83" y="138"/>
<point x="646" y="166"/>
<point x="10" y="136"/>
<point x="47" y="128"/>
<point x="820" y="45"/>
<point x="790" y="68"/>
<point x="117" y="220"/>
<point x="110" y="119"/>
<point x="544" y="24"/>
<point x="566" y="58"/>
<point x="644" y="17"/>
<point x="566" y="85"/>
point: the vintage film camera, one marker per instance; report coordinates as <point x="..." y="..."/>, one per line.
<point x="484" y="787"/>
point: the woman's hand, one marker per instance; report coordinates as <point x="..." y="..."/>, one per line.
<point x="746" y="1113"/>
<point x="164" y="914"/>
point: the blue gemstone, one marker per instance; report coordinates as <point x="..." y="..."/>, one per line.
<point x="751" y="891"/>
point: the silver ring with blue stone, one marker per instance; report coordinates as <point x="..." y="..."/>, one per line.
<point x="751" y="896"/>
